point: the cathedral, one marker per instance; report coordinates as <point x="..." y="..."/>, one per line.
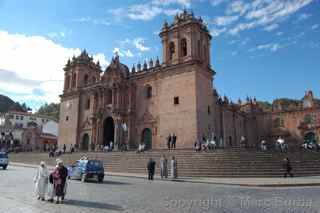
<point x="150" y="101"/>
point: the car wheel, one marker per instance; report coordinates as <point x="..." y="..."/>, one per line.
<point x="83" y="178"/>
<point x="100" y="179"/>
<point x="4" y="167"/>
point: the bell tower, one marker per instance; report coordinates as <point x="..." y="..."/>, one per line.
<point x="186" y="39"/>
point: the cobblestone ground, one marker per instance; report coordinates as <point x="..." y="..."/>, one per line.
<point x="134" y="195"/>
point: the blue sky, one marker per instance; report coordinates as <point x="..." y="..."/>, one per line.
<point x="262" y="48"/>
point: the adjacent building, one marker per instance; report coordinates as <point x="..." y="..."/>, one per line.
<point x="28" y="130"/>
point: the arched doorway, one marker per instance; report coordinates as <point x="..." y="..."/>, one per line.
<point x="85" y="142"/>
<point x="310" y="137"/>
<point x="108" y="131"/>
<point x="146" y="138"/>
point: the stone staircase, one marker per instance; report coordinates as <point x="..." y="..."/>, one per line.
<point x="219" y="163"/>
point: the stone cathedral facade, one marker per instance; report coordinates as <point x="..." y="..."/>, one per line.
<point x="152" y="100"/>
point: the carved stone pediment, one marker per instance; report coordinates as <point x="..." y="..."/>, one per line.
<point x="87" y="124"/>
<point x="147" y="117"/>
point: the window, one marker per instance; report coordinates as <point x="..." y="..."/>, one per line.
<point x="209" y="110"/>
<point x="109" y="96"/>
<point x="148" y="91"/>
<point x="67" y="83"/>
<point x="199" y="49"/>
<point x="88" y="104"/>
<point x="21" y="117"/>
<point x="67" y="118"/>
<point x="93" y="80"/>
<point x="171" y="50"/>
<point x="74" y="78"/>
<point x="184" y="50"/>
<point x="176" y="100"/>
<point x="85" y="80"/>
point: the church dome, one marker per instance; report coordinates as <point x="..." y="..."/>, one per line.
<point x="116" y="66"/>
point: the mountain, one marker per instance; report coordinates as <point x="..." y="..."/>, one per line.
<point x="6" y="104"/>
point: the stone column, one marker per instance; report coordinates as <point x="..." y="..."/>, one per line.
<point x="116" y="133"/>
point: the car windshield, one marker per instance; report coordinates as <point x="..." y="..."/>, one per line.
<point x="95" y="163"/>
<point x="3" y="155"/>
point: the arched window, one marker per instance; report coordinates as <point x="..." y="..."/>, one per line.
<point x="74" y="80"/>
<point x="199" y="48"/>
<point x="85" y="80"/>
<point x="148" y="91"/>
<point x="171" y="50"/>
<point x="88" y="103"/>
<point x="109" y="96"/>
<point x="67" y="83"/>
<point x="204" y="52"/>
<point x="93" y="80"/>
<point x="184" y="50"/>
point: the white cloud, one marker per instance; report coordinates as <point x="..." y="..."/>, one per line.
<point x="95" y="21"/>
<point x="279" y="33"/>
<point x="217" y="32"/>
<point x="315" y="26"/>
<point x="240" y="27"/>
<point x="37" y="60"/>
<point x="225" y="20"/>
<point x="129" y="54"/>
<point x="56" y="35"/>
<point x="264" y="13"/>
<point x="143" y="12"/>
<point x="139" y="44"/>
<point x="271" y="27"/>
<point x="148" y="11"/>
<point x="273" y="47"/>
<point x="217" y="2"/>
<point x="304" y="16"/>
<point x="237" y="7"/>
<point x="123" y="53"/>
<point x="185" y="3"/>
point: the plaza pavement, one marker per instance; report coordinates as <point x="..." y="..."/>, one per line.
<point x="253" y="182"/>
<point x="137" y="195"/>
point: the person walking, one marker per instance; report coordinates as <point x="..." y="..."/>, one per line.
<point x="288" y="168"/>
<point x="151" y="168"/>
<point x="174" y="173"/>
<point x="60" y="175"/>
<point x="163" y="167"/>
<point x="174" y="140"/>
<point x="169" y="141"/>
<point x="41" y="181"/>
<point x="64" y="149"/>
<point x="51" y="192"/>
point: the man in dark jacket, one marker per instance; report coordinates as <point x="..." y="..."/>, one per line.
<point x="151" y="168"/>
<point x="169" y="141"/>
<point x="287" y="167"/>
<point x="174" y="140"/>
<point x="63" y="172"/>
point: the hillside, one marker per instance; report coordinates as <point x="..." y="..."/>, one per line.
<point x="51" y="110"/>
<point x="7" y="104"/>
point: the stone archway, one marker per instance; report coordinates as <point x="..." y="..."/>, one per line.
<point x="146" y="138"/>
<point x="85" y="142"/>
<point x="310" y="137"/>
<point x="108" y="131"/>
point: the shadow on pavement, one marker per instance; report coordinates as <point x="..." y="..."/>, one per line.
<point x="109" y="182"/>
<point x="115" y="182"/>
<point x="90" y="204"/>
